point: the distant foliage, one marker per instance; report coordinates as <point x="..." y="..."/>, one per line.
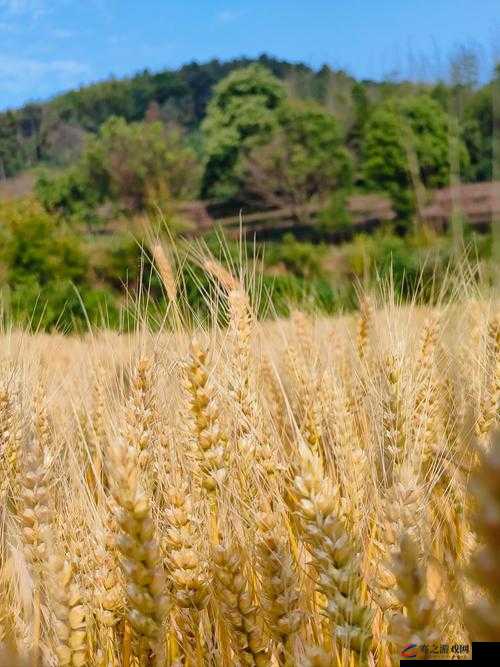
<point x="403" y="136"/>
<point x="67" y="194"/>
<point x="247" y="135"/>
<point x="53" y="132"/>
<point x="45" y="269"/>
<point x="139" y="163"/>
<point x="303" y="160"/>
<point x="135" y="166"/>
<point x="243" y="114"/>
<point x="93" y="105"/>
<point x="303" y="260"/>
<point x="478" y="132"/>
<point x="13" y="157"/>
<point x="35" y="245"/>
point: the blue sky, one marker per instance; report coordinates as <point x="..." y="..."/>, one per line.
<point x="47" y="46"/>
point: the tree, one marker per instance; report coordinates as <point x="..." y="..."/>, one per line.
<point x="139" y="163"/>
<point x="303" y="160"/>
<point x="12" y="158"/>
<point x="46" y="270"/>
<point x="478" y="133"/>
<point x="69" y="195"/>
<point x="61" y="143"/>
<point x="242" y="114"/>
<point x="134" y="166"/>
<point x="406" y="146"/>
<point x="35" y="246"/>
<point x="362" y="108"/>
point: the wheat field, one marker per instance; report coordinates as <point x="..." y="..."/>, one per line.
<point x="311" y="491"/>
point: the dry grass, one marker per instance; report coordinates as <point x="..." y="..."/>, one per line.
<point x="284" y="493"/>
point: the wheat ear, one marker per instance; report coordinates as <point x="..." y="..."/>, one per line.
<point x="237" y="608"/>
<point x="141" y="414"/>
<point x="425" y="403"/>
<point x="137" y="544"/>
<point x="280" y="596"/>
<point x="418" y="623"/>
<point x="70" y="613"/>
<point x="317" y="657"/>
<point x="483" y="618"/>
<point x="401" y="512"/>
<point x="226" y="279"/>
<point x="393" y="416"/>
<point x="210" y="438"/>
<point x="165" y="270"/>
<point x="97" y="436"/>
<point x="334" y="557"/>
<point x="489" y="408"/>
<point x="109" y="599"/>
<point x="35" y="512"/>
<point x="187" y="570"/>
<point x="10" y="445"/>
<point x="364" y="329"/>
<point x="240" y="327"/>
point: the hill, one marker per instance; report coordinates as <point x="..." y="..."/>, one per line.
<point x="53" y="131"/>
<point x="311" y="158"/>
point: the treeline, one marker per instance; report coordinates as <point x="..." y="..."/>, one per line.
<point x="54" y="132"/>
<point x="259" y="145"/>
<point x="268" y="134"/>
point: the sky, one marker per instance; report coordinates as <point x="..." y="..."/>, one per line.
<point x="48" y="46"/>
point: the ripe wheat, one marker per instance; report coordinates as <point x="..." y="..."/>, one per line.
<point x="284" y="493"/>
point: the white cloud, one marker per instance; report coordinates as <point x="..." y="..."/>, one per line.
<point x="31" y="67"/>
<point x="228" y="15"/>
<point x="21" y="6"/>
<point x="33" y="78"/>
<point x="59" y="33"/>
<point x="32" y="8"/>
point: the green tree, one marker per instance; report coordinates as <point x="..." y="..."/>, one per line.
<point x="362" y="108"/>
<point x="12" y="158"/>
<point x="45" y="269"/>
<point x="478" y="133"/>
<point x="336" y="216"/>
<point x="303" y="159"/>
<point x="35" y="245"/>
<point x="138" y="164"/>
<point x="406" y="144"/>
<point x="133" y="165"/>
<point x="243" y="113"/>
<point x="68" y="194"/>
<point x="93" y="105"/>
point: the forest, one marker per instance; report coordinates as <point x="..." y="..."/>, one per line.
<point x="90" y="176"/>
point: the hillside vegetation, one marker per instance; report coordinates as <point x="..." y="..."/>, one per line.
<point x="103" y="170"/>
<point x="54" y="131"/>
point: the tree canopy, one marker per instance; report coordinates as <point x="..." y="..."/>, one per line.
<point x="53" y="132"/>
<point x="303" y="159"/>
<point x="133" y="165"/>
<point x="407" y="140"/>
<point x="243" y="113"/>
